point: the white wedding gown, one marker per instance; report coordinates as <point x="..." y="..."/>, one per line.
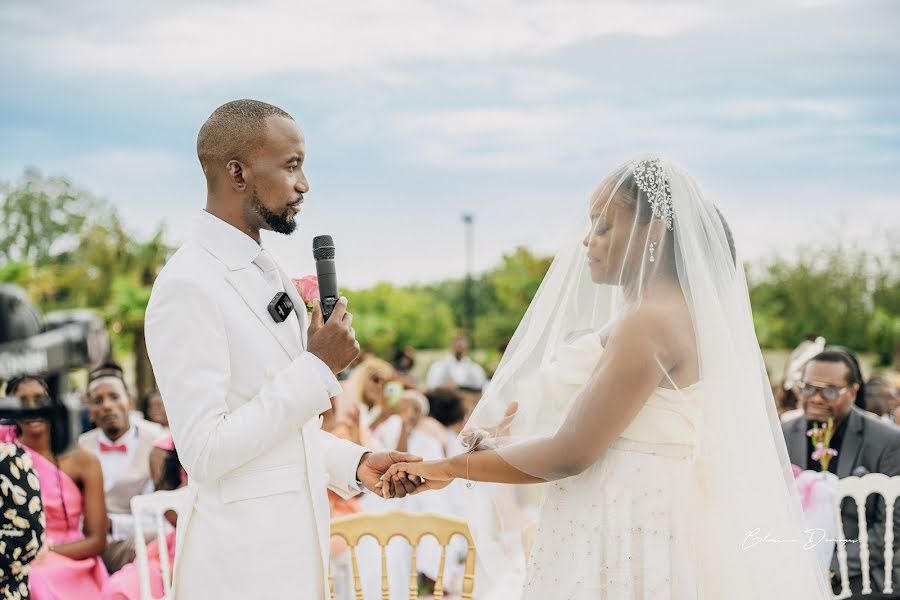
<point x="622" y="529"/>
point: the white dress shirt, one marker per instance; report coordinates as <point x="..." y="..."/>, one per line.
<point x="464" y="373"/>
<point x="114" y="464"/>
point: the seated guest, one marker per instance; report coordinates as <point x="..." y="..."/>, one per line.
<point x="22" y="529"/>
<point x="882" y="397"/>
<point x="832" y="387"/>
<point x="788" y="405"/>
<point x="123" y="445"/>
<point x="447" y="407"/>
<point x="410" y="430"/>
<point x="343" y="421"/>
<point x="457" y="369"/>
<point x="168" y="474"/>
<point x="365" y="386"/>
<point x="154" y="411"/>
<point x="403" y="363"/>
<point x="71" y="486"/>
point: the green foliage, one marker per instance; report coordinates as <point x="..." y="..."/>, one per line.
<point x="387" y="317"/>
<point x="41" y="216"/>
<point x="846" y="294"/>
<point x="70" y="250"/>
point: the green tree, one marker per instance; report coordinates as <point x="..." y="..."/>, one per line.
<point x="41" y="216"/>
<point x="70" y="250"/>
<point x="387" y="317"/>
<point x="849" y="295"/>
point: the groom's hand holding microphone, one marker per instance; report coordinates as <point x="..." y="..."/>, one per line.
<point x="331" y="336"/>
<point x="334" y="342"/>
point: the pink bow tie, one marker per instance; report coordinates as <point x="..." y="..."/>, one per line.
<point x="113" y="448"/>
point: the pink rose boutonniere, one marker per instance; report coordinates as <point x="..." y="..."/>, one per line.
<point x="821" y="435"/>
<point x="308" y="288"/>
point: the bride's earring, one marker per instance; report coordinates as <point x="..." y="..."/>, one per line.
<point x="652" y="250"/>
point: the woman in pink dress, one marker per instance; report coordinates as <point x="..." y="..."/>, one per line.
<point x="125" y="584"/>
<point x="69" y="564"/>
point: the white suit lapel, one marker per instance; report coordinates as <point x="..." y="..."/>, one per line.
<point x="257" y="295"/>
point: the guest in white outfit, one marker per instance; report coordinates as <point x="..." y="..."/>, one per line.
<point x="123" y="445"/>
<point x="244" y="376"/>
<point x="457" y="369"/>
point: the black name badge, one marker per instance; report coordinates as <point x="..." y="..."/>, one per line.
<point x="280" y="307"/>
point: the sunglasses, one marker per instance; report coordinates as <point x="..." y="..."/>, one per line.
<point x="829" y="392"/>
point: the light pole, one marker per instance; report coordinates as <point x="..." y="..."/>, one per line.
<point x="468" y="220"/>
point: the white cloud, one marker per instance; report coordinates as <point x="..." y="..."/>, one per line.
<point x="219" y="43"/>
<point x="753" y="108"/>
<point x="147" y="186"/>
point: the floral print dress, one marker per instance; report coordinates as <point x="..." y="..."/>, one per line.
<point x="22" y="523"/>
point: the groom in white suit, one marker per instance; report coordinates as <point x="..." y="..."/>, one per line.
<point x="244" y="391"/>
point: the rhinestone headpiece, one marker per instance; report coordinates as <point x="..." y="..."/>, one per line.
<point x="651" y="179"/>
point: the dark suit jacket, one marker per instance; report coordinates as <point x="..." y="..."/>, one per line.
<point x="874" y="445"/>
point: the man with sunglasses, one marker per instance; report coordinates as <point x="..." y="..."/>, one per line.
<point x="832" y="386"/>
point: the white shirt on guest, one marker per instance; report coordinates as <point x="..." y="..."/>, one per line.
<point x="464" y="373"/>
<point x="114" y="464"/>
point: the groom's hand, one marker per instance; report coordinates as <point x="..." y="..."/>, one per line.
<point x="375" y="464"/>
<point x="334" y="342"/>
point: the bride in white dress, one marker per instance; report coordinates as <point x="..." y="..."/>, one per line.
<point x="634" y="388"/>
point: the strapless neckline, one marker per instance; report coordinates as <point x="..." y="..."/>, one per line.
<point x="669" y="416"/>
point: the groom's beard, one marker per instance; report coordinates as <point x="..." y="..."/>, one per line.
<point x="283" y="223"/>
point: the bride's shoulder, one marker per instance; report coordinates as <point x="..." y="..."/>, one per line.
<point x="663" y="324"/>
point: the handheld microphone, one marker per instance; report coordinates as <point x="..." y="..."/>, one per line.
<point x="323" y="252"/>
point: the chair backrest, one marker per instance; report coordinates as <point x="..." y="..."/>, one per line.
<point x="412" y="527"/>
<point x="158" y="504"/>
<point x="859" y="488"/>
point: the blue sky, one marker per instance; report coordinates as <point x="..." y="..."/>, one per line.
<point x="415" y="112"/>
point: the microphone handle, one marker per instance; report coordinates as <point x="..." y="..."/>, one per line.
<point x="328" y="289"/>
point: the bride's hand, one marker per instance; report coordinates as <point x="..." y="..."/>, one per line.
<point x="435" y="473"/>
<point x="481" y="438"/>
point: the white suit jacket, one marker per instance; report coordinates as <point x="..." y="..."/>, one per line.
<point x="243" y="399"/>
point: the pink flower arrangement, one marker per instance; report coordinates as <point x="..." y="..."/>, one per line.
<point x="308" y="288"/>
<point x="821" y="435"/>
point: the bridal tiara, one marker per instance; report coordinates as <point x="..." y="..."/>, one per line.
<point x="651" y="179"/>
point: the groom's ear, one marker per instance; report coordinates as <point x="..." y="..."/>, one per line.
<point x="236" y="179"/>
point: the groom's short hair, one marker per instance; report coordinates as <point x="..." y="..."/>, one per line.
<point x="234" y="131"/>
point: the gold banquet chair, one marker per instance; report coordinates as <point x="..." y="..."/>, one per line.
<point x="412" y="527"/>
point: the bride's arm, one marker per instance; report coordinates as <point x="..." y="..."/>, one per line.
<point x="631" y="367"/>
<point x="636" y="359"/>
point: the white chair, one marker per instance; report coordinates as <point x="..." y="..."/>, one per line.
<point x="859" y="488"/>
<point x="157" y="503"/>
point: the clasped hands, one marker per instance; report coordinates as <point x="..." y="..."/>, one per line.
<point x="415" y="476"/>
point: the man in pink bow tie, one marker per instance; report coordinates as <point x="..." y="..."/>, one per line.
<point x="123" y="443"/>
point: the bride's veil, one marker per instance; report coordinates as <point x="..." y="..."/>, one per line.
<point x="649" y="233"/>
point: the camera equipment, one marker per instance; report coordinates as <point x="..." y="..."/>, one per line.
<point x="50" y="347"/>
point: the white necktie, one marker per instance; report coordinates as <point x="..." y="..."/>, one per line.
<point x="269" y="270"/>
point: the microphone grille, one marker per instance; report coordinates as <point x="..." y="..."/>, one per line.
<point x="323" y="247"/>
